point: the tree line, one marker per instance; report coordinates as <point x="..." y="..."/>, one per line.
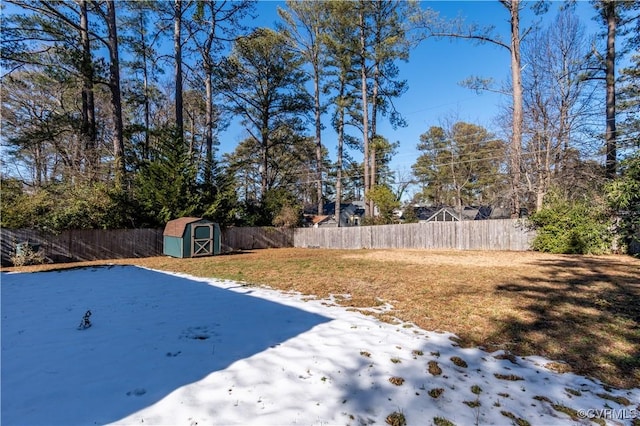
<point x="113" y="110"/>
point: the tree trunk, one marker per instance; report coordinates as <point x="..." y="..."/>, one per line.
<point x="365" y="105"/>
<point x="340" y="130"/>
<point x="116" y="101"/>
<point x="516" y="144"/>
<point x="457" y="188"/>
<point x="208" y="166"/>
<point x="39" y="164"/>
<point x="318" y="125"/>
<point x="565" y="125"/>
<point x="374" y="134"/>
<point x="263" y="177"/>
<point x="208" y="84"/>
<point x="177" y="47"/>
<point x="264" y="134"/>
<point x="147" y="104"/>
<point x="609" y="9"/>
<point x="88" y="104"/>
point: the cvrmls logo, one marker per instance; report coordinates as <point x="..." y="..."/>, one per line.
<point x="609" y="413"/>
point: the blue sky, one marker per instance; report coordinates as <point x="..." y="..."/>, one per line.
<point x="434" y="71"/>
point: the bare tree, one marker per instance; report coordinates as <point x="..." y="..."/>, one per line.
<point x="436" y="27"/>
<point x="557" y="99"/>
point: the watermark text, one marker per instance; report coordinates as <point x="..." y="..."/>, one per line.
<point x="609" y="413"/>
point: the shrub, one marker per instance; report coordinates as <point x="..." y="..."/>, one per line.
<point x="387" y="203"/>
<point x="27" y="256"/>
<point x="572" y="226"/>
<point x="623" y="195"/>
<point x="61" y="206"/>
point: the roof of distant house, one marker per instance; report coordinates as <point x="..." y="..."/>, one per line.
<point x="317" y="219"/>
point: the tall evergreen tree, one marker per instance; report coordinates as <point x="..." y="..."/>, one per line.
<point x="304" y="25"/>
<point x="614" y="16"/>
<point x="339" y="38"/>
<point x="89" y="131"/>
<point x="629" y="99"/>
<point x="111" y="42"/>
<point x="263" y="84"/>
<point x="140" y="38"/>
<point x="165" y="186"/>
<point x="459" y="165"/>
<point x="179" y="8"/>
<point x="390" y="43"/>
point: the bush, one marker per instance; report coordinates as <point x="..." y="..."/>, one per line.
<point x="572" y="226"/>
<point x="623" y="195"/>
<point x="60" y="206"/>
<point x="387" y="203"/>
<point x="27" y="256"/>
<point x="289" y="217"/>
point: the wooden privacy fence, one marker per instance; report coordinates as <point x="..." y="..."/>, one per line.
<point x="103" y="244"/>
<point x="503" y="234"/>
<point x="99" y="244"/>
<point x="85" y="244"/>
<point x="256" y="238"/>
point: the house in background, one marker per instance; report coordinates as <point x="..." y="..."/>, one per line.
<point x="450" y="214"/>
<point x="321" y="221"/>
<point x="351" y="214"/>
<point x="445" y="214"/>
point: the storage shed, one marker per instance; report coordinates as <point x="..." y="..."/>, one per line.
<point x="191" y="237"/>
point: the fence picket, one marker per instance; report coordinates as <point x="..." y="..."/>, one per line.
<point x="503" y="234"/>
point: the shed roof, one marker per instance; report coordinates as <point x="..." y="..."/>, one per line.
<point x="175" y="228"/>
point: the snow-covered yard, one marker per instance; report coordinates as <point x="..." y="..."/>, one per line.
<point x="167" y="349"/>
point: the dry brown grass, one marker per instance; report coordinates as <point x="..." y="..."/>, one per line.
<point x="580" y="309"/>
<point x="434" y="369"/>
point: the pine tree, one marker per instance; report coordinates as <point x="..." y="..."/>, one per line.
<point x="165" y="187"/>
<point x="263" y="84"/>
